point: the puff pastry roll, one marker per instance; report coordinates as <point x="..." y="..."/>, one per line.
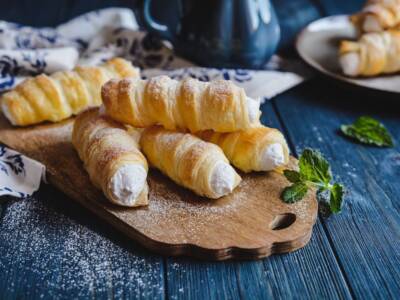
<point x="189" y="161"/>
<point x="187" y="104"/>
<point x="255" y="149"/>
<point x="57" y="97"/>
<point x="372" y="54"/>
<point x="112" y="158"/>
<point x="378" y="15"/>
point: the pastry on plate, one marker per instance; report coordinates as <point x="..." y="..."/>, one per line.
<point x="62" y="94"/>
<point x="254" y="149"/>
<point x="112" y="158"/>
<point x="378" y="15"/>
<point x="373" y="54"/>
<point x="188" y="104"/>
<point x="189" y="161"/>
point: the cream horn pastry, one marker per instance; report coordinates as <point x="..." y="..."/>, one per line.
<point x="254" y="149"/>
<point x="189" y="161"/>
<point x="188" y="104"/>
<point x="378" y="15"/>
<point x="112" y="158"/>
<point x="373" y="54"/>
<point x="62" y="94"/>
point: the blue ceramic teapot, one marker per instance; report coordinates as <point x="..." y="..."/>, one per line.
<point x="219" y="33"/>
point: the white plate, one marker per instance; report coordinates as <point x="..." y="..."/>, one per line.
<point x="318" y="44"/>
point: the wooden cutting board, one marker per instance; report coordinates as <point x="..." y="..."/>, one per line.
<point x="250" y="223"/>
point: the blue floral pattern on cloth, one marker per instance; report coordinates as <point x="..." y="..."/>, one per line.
<point x="26" y="51"/>
<point x="8" y="67"/>
<point x="11" y="163"/>
<point x="19" y="175"/>
<point x="208" y="74"/>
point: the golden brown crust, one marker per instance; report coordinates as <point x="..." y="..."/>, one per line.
<point x="245" y="148"/>
<point x="386" y="13"/>
<point x="105" y="146"/>
<point x="187" y="104"/>
<point x="378" y="53"/>
<point x="184" y="158"/>
<point x="348" y="46"/>
<point x="56" y="97"/>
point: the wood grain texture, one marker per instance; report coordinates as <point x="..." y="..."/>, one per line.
<point x="371" y="213"/>
<point x="250" y="223"/>
<point x="311" y="272"/>
<point x="51" y="248"/>
<point x="365" y="237"/>
<point x="368" y="172"/>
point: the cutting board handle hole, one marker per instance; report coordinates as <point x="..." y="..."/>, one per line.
<point x="282" y="221"/>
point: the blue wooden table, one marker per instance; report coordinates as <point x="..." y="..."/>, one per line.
<point x="52" y="248"/>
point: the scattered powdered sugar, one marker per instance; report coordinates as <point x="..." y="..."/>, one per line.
<point x="178" y="217"/>
<point x="191" y="86"/>
<point x="222" y="88"/>
<point x="166" y="139"/>
<point x="195" y="213"/>
<point x="350" y="170"/>
<point x="53" y="256"/>
<point x="317" y="133"/>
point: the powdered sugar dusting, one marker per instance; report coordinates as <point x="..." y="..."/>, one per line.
<point x="222" y="87"/>
<point x="191" y="86"/>
<point x="68" y="258"/>
<point x="170" y="206"/>
<point x="177" y="216"/>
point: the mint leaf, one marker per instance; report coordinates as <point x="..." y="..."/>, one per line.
<point x="368" y="131"/>
<point x="292" y="176"/>
<point x="314" y="167"/>
<point x="314" y="173"/>
<point x="336" y="198"/>
<point x="294" y="193"/>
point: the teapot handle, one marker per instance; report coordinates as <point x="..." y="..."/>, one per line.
<point x="153" y="26"/>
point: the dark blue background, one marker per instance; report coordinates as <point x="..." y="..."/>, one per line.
<point x="352" y="255"/>
<point x="293" y="14"/>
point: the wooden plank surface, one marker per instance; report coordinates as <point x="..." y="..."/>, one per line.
<point x="285" y="276"/>
<point x="365" y="237"/>
<point x="355" y="254"/>
<point x="177" y="222"/>
<point x="52" y="248"/>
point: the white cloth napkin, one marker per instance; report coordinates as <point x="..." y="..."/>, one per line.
<point x="19" y="176"/>
<point x="93" y="38"/>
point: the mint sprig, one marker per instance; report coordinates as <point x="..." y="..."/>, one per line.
<point x="295" y="192"/>
<point x="368" y="131"/>
<point x="314" y="172"/>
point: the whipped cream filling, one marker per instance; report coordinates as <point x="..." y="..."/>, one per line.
<point x="127" y="183"/>
<point x="222" y="179"/>
<point x="273" y="156"/>
<point x="371" y="24"/>
<point x="350" y="63"/>
<point x="253" y="108"/>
